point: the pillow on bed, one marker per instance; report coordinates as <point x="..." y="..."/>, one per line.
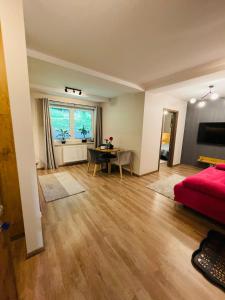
<point x="165" y="138"/>
<point x="220" y="167"/>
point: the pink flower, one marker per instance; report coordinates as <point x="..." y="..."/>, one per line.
<point x="110" y="138"/>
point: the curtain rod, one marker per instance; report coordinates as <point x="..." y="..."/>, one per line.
<point x="59" y="103"/>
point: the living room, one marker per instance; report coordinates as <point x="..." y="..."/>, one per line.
<point x="89" y="212"/>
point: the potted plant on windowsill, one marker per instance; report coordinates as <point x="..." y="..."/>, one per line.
<point x="84" y="132"/>
<point x="63" y="135"/>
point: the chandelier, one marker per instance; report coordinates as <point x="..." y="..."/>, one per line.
<point x="210" y="94"/>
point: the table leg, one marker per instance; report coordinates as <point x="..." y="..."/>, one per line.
<point x="109" y="168"/>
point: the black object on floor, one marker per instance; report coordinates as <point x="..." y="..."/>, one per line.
<point x="209" y="259"/>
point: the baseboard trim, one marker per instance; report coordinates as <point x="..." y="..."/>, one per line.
<point x="35" y="252"/>
<point x="148" y="173"/>
<point x="73" y="163"/>
<point x="135" y="174"/>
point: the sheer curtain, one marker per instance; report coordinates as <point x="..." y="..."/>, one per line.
<point x="50" y="162"/>
<point x="98" y="128"/>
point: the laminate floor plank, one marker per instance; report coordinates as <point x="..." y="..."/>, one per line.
<point x="116" y="241"/>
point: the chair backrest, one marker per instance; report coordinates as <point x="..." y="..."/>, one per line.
<point x="124" y="157"/>
<point x="93" y="155"/>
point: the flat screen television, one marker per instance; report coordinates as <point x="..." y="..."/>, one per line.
<point x="211" y="133"/>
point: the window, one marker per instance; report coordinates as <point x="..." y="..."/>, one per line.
<point x="60" y="119"/>
<point x="83" y="127"/>
<point x="74" y="120"/>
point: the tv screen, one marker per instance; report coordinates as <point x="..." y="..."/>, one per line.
<point x="211" y="133"/>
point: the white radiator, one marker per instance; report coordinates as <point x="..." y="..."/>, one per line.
<point x="73" y="153"/>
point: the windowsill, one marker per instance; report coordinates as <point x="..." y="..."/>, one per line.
<point x="69" y="143"/>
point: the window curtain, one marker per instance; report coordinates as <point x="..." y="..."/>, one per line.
<point x="98" y="129"/>
<point x="50" y="162"/>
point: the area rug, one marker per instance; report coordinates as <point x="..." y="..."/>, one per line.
<point x="165" y="186"/>
<point x="59" y="185"/>
<point x="209" y="259"/>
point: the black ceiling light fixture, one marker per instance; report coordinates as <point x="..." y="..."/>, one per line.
<point x="73" y="91"/>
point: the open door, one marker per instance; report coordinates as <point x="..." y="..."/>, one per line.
<point x="168" y="137"/>
<point x="9" y="190"/>
<point x="8" y="289"/>
<point x="9" y="182"/>
<point x="174" y="119"/>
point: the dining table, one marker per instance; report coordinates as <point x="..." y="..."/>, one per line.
<point x="107" y="150"/>
<point x="112" y="152"/>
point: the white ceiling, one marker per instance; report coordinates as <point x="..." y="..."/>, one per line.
<point x="136" y="40"/>
<point x="196" y="88"/>
<point x="52" y="78"/>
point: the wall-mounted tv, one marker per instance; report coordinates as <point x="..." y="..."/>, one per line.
<point x="211" y="133"/>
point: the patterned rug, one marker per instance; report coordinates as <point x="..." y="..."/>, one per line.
<point x="209" y="259"/>
<point x="165" y="186"/>
<point x="59" y="185"/>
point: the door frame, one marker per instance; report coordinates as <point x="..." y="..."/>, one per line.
<point x="172" y="136"/>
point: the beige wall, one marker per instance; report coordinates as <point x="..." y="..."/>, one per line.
<point x="13" y="33"/>
<point x="123" y="119"/>
<point x="38" y="130"/>
<point x="152" y="125"/>
<point x="38" y="127"/>
<point x="134" y="120"/>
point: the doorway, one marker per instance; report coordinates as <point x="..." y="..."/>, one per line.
<point x="168" y="137"/>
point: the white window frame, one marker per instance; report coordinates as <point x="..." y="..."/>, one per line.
<point x="72" y="121"/>
<point x="93" y="121"/>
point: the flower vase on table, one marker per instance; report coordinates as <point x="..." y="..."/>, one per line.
<point x="108" y="142"/>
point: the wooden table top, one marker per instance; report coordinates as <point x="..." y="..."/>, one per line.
<point x="108" y="150"/>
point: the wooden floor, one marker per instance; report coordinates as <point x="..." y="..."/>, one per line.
<point x="118" y="240"/>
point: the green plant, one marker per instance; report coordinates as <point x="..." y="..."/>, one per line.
<point x="84" y="131"/>
<point x="63" y="134"/>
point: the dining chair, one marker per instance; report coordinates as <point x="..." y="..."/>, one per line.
<point x="97" y="159"/>
<point x="124" y="158"/>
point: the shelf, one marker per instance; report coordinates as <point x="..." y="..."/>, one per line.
<point x="210" y="160"/>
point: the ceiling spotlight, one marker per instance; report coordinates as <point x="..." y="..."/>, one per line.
<point x="78" y="93"/>
<point x="201" y="104"/>
<point x="192" y="100"/>
<point x="214" y="96"/>
<point x="165" y="112"/>
<point x="73" y="91"/>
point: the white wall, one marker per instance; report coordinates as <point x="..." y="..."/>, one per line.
<point x="38" y="126"/>
<point x="134" y="120"/>
<point x="12" y="26"/>
<point x="167" y="122"/>
<point x="123" y="119"/>
<point x="152" y="125"/>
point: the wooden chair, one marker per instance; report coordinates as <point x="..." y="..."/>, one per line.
<point x="96" y="158"/>
<point x="124" y="158"/>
